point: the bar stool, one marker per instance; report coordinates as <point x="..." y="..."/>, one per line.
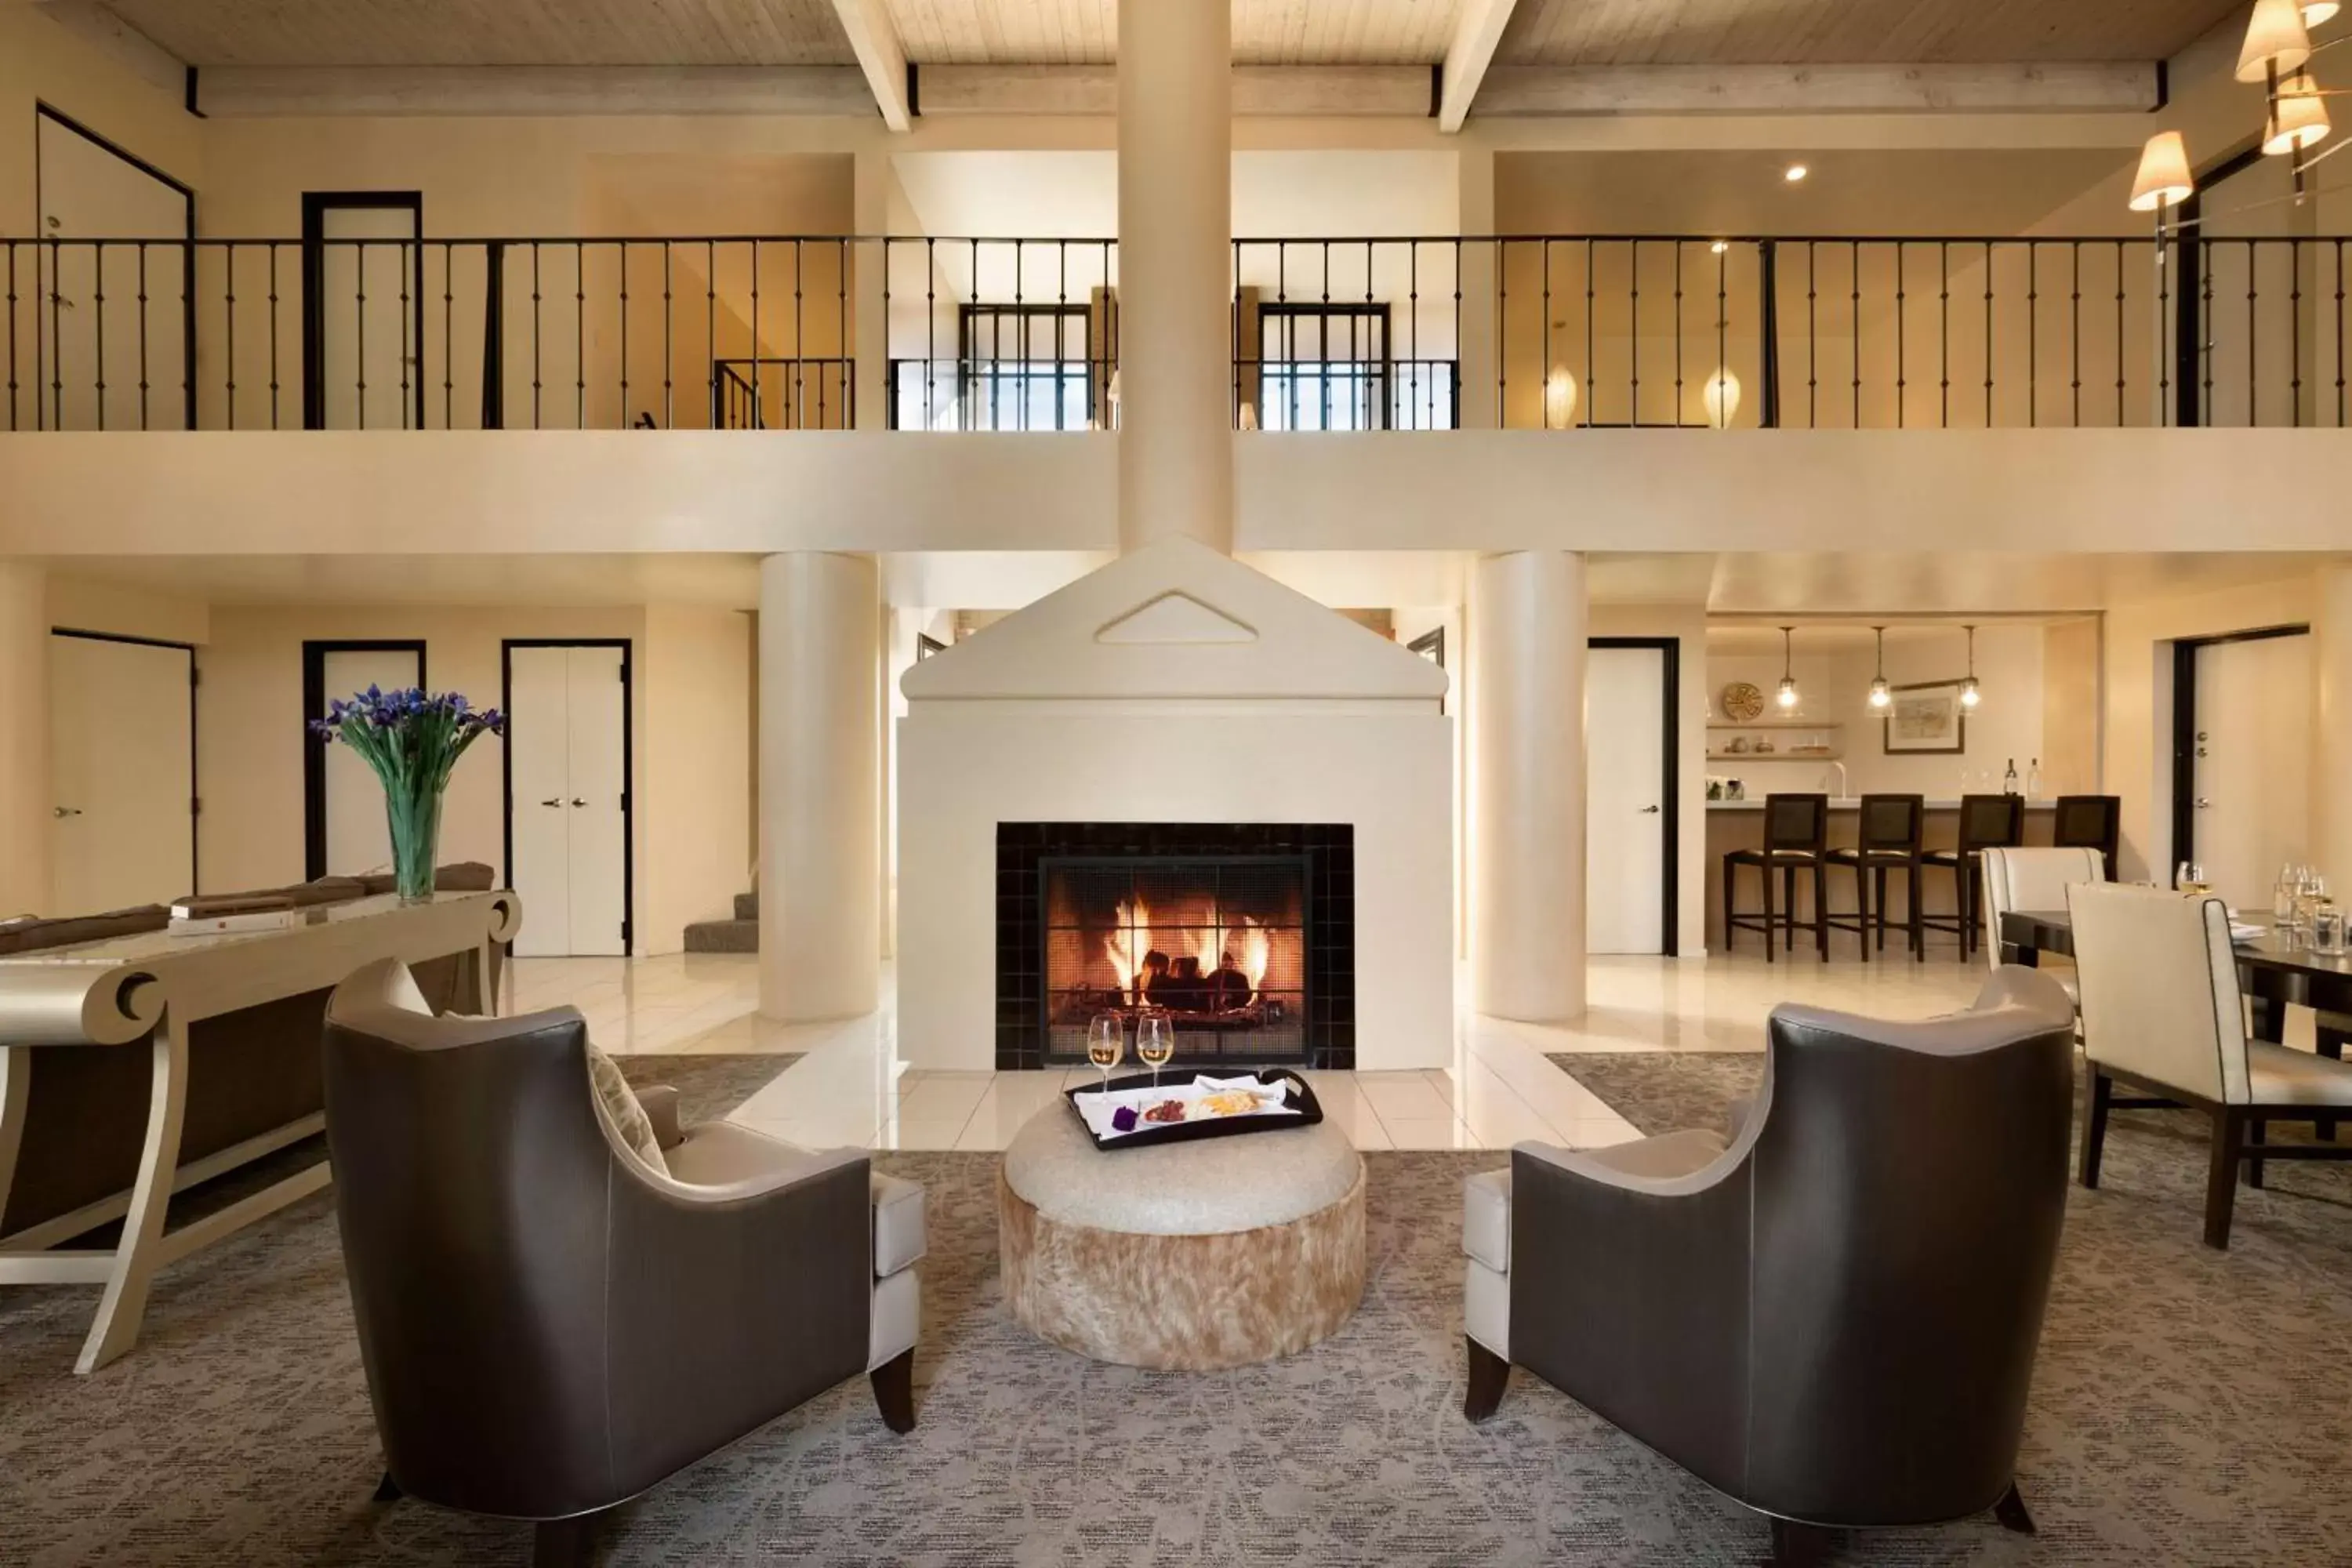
<point x="1796" y="837"/>
<point x="2089" y="822"/>
<point x="1891" y="836"/>
<point x="1986" y="822"/>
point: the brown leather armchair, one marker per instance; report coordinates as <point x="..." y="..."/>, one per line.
<point x="549" y="1325"/>
<point x="1832" y="1315"/>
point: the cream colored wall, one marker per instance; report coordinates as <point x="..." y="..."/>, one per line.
<point x="85" y="604"/>
<point x="250" y="729"/>
<point x="2137" y="742"/>
<point x="694" y="801"/>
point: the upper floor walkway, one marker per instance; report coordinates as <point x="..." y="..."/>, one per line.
<point x="1569" y="332"/>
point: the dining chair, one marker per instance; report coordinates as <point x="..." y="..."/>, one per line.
<point x="2162" y="1013"/>
<point x="1986" y="822"/>
<point x="2089" y="822"/>
<point x="1890" y="834"/>
<point x="1796" y="839"/>
<point x="2035" y="879"/>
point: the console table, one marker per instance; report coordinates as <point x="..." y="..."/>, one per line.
<point x="150" y="989"/>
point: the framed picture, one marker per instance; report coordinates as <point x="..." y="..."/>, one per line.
<point x="1927" y="718"/>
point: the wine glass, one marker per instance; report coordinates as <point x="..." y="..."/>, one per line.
<point x="1155" y="1042"/>
<point x="2190" y="879"/>
<point x="1106" y="1044"/>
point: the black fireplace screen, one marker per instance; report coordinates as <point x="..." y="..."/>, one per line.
<point x="1243" y="932"/>
<point x="1218" y="944"/>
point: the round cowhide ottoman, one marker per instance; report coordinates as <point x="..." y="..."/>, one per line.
<point x="1183" y="1257"/>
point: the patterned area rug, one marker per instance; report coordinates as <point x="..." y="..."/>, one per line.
<point x="2191" y="1408"/>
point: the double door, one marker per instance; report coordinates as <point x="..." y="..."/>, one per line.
<point x="567" y="751"/>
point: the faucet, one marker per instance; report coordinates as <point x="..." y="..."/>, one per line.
<point x="1843" y="791"/>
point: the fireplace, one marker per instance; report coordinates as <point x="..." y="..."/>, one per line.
<point x="1243" y="934"/>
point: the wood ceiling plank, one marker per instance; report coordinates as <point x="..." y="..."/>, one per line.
<point x="1859" y="32"/>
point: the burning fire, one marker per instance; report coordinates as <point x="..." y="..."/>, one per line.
<point x="1130" y="943"/>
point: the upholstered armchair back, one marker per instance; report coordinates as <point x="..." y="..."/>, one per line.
<point x="2159" y="987"/>
<point x="2032" y="880"/>
<point x="547" y="1327"/>
<point x="1835" y="1320"/>
<point x="1910" y="1185"/>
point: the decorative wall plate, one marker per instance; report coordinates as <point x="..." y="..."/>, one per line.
<point x="1743" y="703"/>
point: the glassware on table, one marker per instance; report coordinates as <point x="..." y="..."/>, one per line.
<point x="2327" y="930"/>
<point x="2190" y="881"/>
<point x="1106" y="1044"/>
<point x="2284" y="893"/>
<point x="1155" y="1042"/>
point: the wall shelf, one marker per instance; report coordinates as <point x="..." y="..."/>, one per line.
<point x="1778" y="724"/>
<point x="1831" y="755"/>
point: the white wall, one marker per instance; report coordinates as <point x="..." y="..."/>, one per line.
<point x="694" y="792"/>
<point x="561" y="492"/>
<point x="967" y="766"/>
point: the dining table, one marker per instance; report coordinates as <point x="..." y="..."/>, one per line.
<point x="2277" y="967"/>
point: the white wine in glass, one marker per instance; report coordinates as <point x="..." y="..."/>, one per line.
<point x="1106" y="1044"/>
<point x="1155" y="1042"/>
<point x="2190" y="880"/>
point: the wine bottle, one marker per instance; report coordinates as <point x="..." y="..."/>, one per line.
<point x="2009" y="779"/>
<point x="2033" y="780"/>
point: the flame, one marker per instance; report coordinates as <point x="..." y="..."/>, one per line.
<point x="1254" y="945"/>
<point x="1209" y="943"/>
<point x="1127" y="944"/>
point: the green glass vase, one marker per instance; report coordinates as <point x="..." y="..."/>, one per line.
<point x="415" y="819"/>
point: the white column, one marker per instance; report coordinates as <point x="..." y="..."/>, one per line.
<point x="2332" y="751"/>
<point x="25" y="788"/>
<point x="820" y="787"/>
<point x="1526" y="826"/>
<point x="1175" y="264"/>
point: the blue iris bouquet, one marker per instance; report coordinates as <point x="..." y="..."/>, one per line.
<point x="412" y="739"/>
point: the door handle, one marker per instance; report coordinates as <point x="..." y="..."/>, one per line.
<point x="2204" y="805"/>
<point x="556" y="802"/>
<point x="577" y="801"/>
<point x="1649" y="811"/>
<point x="65" y="811"/>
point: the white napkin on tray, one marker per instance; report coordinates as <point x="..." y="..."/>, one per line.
<point x="1096" y="1108"/>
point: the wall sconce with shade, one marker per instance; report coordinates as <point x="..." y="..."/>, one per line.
<point x="2278" y="41"/>
<point x="1721" y="396"/>
<point x="1560" y="398"/>
<point x="1787" y="698"/>
<point x="2297" y="117"/>
<point x="2164" y="178"/>
<point x="1248" y="420"/>
<point x="1970" y="692"/>
<point x="1881" y="694"/>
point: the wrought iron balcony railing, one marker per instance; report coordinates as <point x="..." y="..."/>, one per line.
<point x="829" y="332"/>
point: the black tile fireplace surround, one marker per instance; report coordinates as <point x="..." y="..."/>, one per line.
<point x="1066" y="894"/>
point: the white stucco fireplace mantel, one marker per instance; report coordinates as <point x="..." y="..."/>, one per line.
<point x="1176" y="685"/>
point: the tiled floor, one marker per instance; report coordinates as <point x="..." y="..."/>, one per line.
<point x="849" y="1088"/>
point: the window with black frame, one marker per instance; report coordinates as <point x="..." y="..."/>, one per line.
<point x="1024" y="367"/>
<point x="1330" y="367"/>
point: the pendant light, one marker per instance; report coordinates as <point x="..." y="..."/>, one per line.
<point x="1881" y="694"/>
<point x="1970" y="693"/>
<point x="2277" y="42"/>
<point x="1787" y="698"/>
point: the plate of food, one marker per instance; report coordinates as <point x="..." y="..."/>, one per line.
<point x="1188" y="1104"/>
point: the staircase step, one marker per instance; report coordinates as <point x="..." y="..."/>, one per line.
<point x="723" y="936"/>
<point x="747" y="906"/>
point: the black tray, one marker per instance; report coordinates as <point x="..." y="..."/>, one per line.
<point x="1302" y="1095"/>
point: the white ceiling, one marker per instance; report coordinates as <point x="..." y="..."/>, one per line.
<point x="493" y="32"/>
<point x="1859" y="31"/>
<point x="1079" y="32"/>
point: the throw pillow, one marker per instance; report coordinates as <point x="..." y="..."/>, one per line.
<point x="628" y="1118"/>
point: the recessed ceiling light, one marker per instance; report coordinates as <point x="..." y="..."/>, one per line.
<point x="1795" y="172"/>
